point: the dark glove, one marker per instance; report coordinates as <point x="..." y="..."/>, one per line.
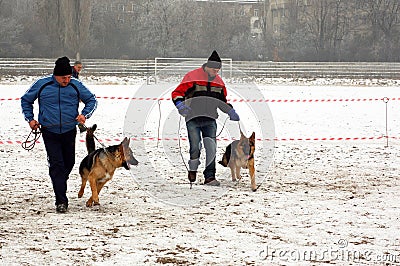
<point x="183" y="109"/>
<point x="233" y="115"/>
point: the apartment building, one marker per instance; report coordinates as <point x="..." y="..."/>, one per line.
<point x="253" y="10"/>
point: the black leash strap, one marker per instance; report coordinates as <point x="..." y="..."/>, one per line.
<point x="223" y="126"/>
<point x="35" y="134"/>
<point x="30" y="141"/>
<point x="180" y="147"/>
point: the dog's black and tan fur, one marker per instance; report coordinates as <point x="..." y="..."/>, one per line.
<point x="99" y="165"/>
<point x="240" y="154"/>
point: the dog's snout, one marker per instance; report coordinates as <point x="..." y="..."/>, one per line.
<point x="133" y="161"/>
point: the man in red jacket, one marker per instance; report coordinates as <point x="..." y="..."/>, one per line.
<point x="197" y="98"/>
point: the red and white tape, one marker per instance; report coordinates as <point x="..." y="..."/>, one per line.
<point x="385" y="99"/>
<point x="13" y="142"/>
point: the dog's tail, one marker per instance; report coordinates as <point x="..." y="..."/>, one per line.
<point x="226" y="157"/>
<point x="90" y="144"/>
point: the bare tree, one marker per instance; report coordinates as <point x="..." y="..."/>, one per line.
<point x="340" y="26"/>
<point x="164" y="24"/>
<point x="221" y="26"/>
<point x="67" y="23"/>
<point x="79" y="25"/>
<point x="11" y="32"/>
<point x="294" y="39"/>
<point x="317" y="25"/>
<point x="327" y="23"/>
<point x="291" y="29"/>
<point x="384" y="15"/>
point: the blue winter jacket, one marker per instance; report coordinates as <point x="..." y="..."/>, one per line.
<point x="58" y="106"/>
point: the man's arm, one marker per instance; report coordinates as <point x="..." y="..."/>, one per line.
<point x="89" y="99"/>
<point x="224" y="106"/>
<point x="178" y="95"/>
<point x="27" y="101"/>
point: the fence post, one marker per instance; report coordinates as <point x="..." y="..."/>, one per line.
<point x="386" y="100"/>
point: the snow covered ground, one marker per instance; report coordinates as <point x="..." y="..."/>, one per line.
<point x="329" y="189"/>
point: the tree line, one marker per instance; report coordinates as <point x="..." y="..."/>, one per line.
<point x="321" y="30"/>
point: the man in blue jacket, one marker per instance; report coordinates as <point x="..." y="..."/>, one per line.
<point x="58" y="97"/>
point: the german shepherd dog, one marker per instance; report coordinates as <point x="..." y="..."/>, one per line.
<point x="99" y="165"/>
<point x="240" y="154"/>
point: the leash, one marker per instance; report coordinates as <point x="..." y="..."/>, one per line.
<point x="222" y="129"/>
<point x="240" y="129"/>
<point x="30" y="142"/>
<point x="159" y="121"/>
<point x="179" y="142"/>
<point x="35" y="134"/>
<point x="180" y="147"/>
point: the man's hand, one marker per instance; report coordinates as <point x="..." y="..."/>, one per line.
<point x="33" y="124"/>
<point x="81" y="119"/>
<point x="233" y="115"/>
<point x="183" y="109"/>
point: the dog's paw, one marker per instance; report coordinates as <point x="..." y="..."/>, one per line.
<point x="89" y="203"/>
<point x="224" y="164"/>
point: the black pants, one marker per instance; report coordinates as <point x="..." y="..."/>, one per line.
<point x="60" y="150"/>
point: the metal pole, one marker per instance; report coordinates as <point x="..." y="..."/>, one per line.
<point x="155" y="70"/>
<point x="386" y="100"/>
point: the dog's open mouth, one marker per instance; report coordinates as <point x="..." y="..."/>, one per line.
<point x="126" y="165"/>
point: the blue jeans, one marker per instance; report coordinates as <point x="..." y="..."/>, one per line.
<point x="208" y="130"/>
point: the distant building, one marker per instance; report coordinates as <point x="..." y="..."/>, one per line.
<point x="254" y="10"/>
<point x="124" y="10"/>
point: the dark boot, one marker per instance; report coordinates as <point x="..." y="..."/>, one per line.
<point x="61" y="208"/>
<point x="192" y="176"/>
<point x="211" y="181"/>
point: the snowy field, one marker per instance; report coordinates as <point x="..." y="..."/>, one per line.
<point x="329" y="183"/>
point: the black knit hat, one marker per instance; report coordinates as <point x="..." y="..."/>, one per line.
<point x="62" y="68"/>
<point x="214" y="61"/>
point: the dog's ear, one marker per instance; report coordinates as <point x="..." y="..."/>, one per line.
<point x="124" y="145"/>
<point x="242" y="136"/>
<point x="126" y="141"/>
<point x="252" y="138"/>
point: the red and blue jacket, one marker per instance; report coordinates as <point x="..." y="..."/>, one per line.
<point x="204" y="95"/>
